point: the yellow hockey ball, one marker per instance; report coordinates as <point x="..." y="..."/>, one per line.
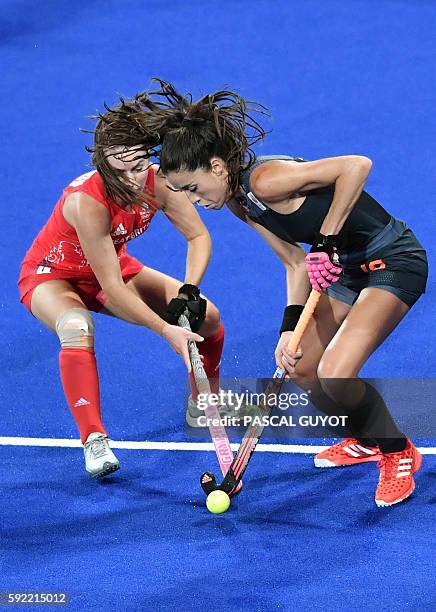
<point x="218" y="502"/>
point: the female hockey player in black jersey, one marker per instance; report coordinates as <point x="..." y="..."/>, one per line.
<point x="369" y="266"/>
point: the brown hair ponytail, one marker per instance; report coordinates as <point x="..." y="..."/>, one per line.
<point x="192" y="133"/>
<point x="120" y="126"/>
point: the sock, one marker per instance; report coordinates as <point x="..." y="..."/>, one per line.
<point x="370" y="421"/>
<point x="392" y="445"/>
<point x="370" y="442"/>
<point x="211" y="349"/>
<point x="79" y="377"/>
<point x="372" y="424"/>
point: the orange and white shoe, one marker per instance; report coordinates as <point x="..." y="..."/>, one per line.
<point x="348" y="452"/>
<point x="396" y="481"/>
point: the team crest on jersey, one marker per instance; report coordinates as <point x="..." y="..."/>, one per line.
<point x="65" y="251"/>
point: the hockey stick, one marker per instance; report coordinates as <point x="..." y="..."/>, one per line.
<point x="254" y="431"/>
<point x="217" y="431"/>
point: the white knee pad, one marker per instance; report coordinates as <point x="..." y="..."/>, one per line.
<point x="73" y="326"/>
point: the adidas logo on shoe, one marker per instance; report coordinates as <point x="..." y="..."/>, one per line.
<point x="396" y="482"/>
<point x="348" y="452"/>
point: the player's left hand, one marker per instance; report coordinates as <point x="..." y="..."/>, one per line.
<point x="188" y="298"/>
<point x="322" y="263"/>
<point x="286" y="360"/>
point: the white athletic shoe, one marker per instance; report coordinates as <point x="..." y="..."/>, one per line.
<point x="193" y="413"/>
<point x="99" y="459"/>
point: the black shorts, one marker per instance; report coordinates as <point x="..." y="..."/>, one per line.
<point x="394" y="260"/>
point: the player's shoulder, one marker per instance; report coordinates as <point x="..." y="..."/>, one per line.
<point x="86" y="178"/>
<point x="90" y="183"/>
<point x="264" y="176"/>
<point x="85" y="197"/>
<point x="80" y="207"/>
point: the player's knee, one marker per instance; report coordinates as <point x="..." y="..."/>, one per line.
<point x="75" y="328"/>
<point x="327" y="368"/>
<point x="332" y="367"/>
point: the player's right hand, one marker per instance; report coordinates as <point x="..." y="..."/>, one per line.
<point x="284" y="358"/>
<point x="177" y="337"/>
<point x="189" y="299"/>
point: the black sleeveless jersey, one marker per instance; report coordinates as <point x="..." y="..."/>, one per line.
<point x="365" y="221"/>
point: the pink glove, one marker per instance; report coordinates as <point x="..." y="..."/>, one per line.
<point x="323" y="269"/>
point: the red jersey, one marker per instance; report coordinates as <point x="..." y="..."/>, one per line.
<point x="57" y="246"/>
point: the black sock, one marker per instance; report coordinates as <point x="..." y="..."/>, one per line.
<point x="370" y="442"/>
<point x="371" y="421"/>
<point x="392" y="445"/>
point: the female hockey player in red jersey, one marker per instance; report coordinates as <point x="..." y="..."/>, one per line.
<point x="78" y="263"/>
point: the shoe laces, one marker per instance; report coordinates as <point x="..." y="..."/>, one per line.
<point x="388" y="465"/>
<point x="97" y="447"/>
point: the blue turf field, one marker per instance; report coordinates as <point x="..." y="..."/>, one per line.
<point x="339" y="77"/>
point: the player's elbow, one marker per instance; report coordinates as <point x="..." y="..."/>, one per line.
<point x="200" y="237"/>
<point x="112" y="289"/>
<point x="362" y="164"/>
<point x="295" y="267"/>
<point x="295" y="263"/>
<point x="296" y="276"/>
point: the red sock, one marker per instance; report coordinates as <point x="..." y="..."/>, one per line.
<point x="211" y="349"/>
<point x="80" y="381"/>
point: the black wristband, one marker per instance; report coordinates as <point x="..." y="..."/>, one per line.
<point x="192" y="292"/>
<point x="290" y="317"/>
<point x="324" y="241"/>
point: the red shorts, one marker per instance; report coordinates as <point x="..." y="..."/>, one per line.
<point x="87" y="289"/>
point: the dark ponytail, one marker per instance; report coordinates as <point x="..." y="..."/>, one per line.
<point x="192" y="133"/>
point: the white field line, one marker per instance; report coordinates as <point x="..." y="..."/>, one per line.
<point x="179" y="446"/>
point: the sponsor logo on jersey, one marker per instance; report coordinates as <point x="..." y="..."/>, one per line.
<point x="120" y="231"/>
<point x="134" y="234"/>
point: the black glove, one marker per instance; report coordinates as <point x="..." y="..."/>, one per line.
<point x="188" y="298"/>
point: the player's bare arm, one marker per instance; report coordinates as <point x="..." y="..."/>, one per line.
<point x="278" y="181"/>
<point x="293" y="258"/>
<point x="186" y="219"/>
<point x="297" y="290"/>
